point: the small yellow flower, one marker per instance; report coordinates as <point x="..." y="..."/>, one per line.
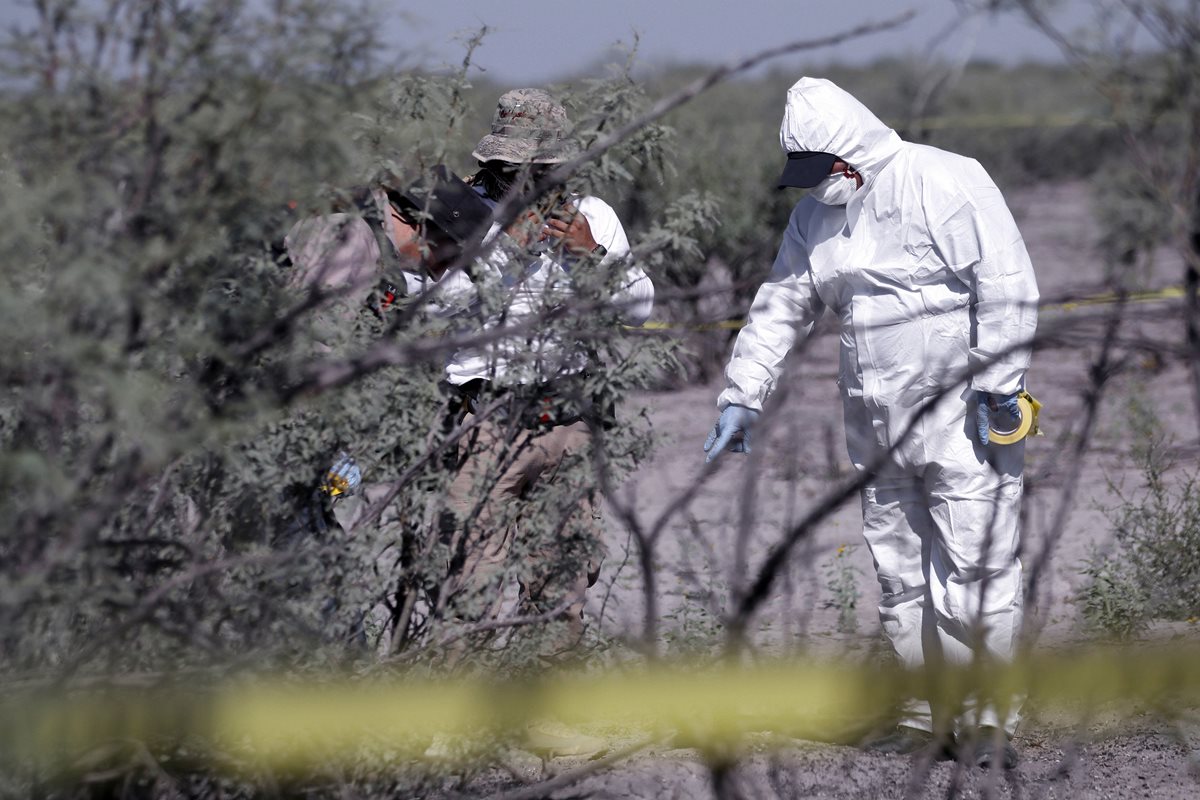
<point x="841" y="550"/>
<point x="1192" y="620"/>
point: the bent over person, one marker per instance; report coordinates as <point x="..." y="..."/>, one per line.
<point x="916" y="252"/>
<point x="395" y="238"/>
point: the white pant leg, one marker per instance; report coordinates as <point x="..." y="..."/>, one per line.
<point x="899" y="532"/>
<point x="975" y="575"/>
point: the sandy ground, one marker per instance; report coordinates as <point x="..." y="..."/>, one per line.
<point x="800" y="457"/>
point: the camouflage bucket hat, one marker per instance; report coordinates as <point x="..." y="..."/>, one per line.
<point x="529" y="127"/>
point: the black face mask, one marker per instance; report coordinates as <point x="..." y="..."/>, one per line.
<point x="499" y="178"/>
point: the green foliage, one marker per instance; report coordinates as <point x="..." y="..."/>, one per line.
<point x="1154" y="92"/>
<point x="842" y="584"/>
<point x="1128" y="207"/>
<point x="1111" y="602"/>
<point x="1153" y="571"/>
<point x="171" y="402"/>
<point x="138" y="518"/>
<point x="165" y="422"/>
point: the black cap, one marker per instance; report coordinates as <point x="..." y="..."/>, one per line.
<point x="806" y="169"/>
<point x="444" y="201"/>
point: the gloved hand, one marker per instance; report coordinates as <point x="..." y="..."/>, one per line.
<point x="1003" y="407"/>
<point x="735" y="421"/>
<point x="343" y="478"/>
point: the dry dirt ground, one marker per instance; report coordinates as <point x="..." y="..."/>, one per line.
<point x="801" y="456"/>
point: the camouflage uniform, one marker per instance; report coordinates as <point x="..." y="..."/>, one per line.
<point x="506" y="461"/>
<point x="357" y="254"/>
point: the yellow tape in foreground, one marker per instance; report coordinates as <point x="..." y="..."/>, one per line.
<point x="289" y="726"/>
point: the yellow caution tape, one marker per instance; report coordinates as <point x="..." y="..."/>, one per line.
<point x="1170" y="293"/>
<point x="295" y="727"/>
<point x="723" y="325"/>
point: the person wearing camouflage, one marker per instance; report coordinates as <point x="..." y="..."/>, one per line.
<point x="513" y="454"/>
<point x="397" y="234"/>
<point x="393" y="239"/>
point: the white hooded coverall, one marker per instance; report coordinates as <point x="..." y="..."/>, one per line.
<point x="931" y="281"/>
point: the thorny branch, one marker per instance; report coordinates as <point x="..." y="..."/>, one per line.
<point x="1098" y="373"/>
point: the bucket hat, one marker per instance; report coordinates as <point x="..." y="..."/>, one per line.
<point x="529" y="127"/>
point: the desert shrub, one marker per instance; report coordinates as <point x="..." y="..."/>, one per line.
<point x="171" y="404"/>
<point x="148" y="451"/>
<point x="1111" y="602"/>
<point x="841" y="582"/>
<point x="1153" y="570"/>
<point x="167" y="416"/>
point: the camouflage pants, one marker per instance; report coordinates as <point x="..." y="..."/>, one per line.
<point x="493" y="521"/>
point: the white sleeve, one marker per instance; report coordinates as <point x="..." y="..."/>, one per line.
<point x="455" y="294"/>
<point x="634" y="296"/>
<point x="785" y="308"/>
<point x="980" y="242"/>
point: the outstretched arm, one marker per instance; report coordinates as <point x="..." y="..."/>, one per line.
<point x="785" y="308"/>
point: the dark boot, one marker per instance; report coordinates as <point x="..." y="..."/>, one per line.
<point x="987" y="747"/>
<point x="905" y="741"/>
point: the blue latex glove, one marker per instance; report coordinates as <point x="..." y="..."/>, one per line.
<point x="343" y="478"/>
<point x="1002" y="407"/>
<point x="732" y="430"/>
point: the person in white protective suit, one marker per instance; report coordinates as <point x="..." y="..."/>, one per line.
<point x="916" y="252"/>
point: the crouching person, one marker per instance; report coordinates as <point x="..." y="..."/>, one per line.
<point x="392" y="240"/>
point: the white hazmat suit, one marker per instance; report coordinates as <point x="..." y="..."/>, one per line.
<point x="929" y="276"/>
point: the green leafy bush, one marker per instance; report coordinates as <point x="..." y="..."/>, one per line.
<point x="1153" y="571"/>
<point x="841" y="580"/>
<point x="167" y="414"/>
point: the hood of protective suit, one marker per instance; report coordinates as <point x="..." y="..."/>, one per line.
<point x="821" y="117"/>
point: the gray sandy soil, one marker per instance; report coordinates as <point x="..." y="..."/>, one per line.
<point x="799" y="456"/>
